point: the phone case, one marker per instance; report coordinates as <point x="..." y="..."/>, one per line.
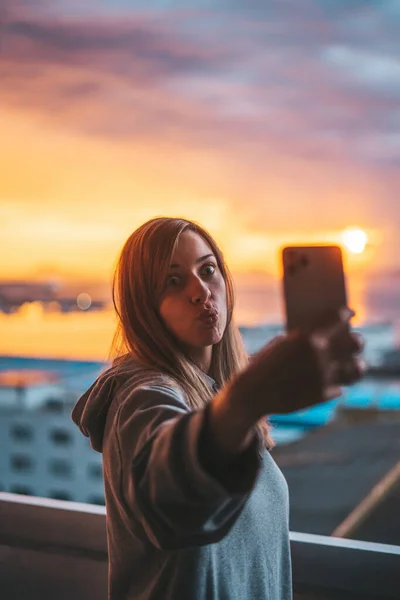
<point x="314" y="286"/>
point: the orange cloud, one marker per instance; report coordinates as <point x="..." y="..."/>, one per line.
<point x="109" y="121"/>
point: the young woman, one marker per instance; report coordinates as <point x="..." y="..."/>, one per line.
<point x="197" y="509"/>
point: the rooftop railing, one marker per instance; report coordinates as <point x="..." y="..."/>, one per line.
<point x="55" y="549"/>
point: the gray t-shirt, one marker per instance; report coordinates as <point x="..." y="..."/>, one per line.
<point x="176" y="532"/>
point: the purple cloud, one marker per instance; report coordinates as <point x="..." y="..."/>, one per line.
<point x="317" y="82"/>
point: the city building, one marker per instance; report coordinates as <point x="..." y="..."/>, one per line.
<point x="44" y="454"/>
<point x="42" y="451"/>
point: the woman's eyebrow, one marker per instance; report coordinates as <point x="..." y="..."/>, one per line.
<point x="199" y="260"/>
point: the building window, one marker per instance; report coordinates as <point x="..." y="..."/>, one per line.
<point x="22" y="433"/>
<point x="60" y="495"/>
<point x="96" y="499"/>
<point x="95" y="471"/>
<point x="24" y="490"/>
<point x="61" y="437"/>
<point x="55" y="405"/>
<point x="60" y="468"/>
<point x="21" y="463"/>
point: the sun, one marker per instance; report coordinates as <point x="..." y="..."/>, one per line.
<point x="355" y="240"/>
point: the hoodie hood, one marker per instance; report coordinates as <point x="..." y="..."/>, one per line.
<point x="91" y="410"/>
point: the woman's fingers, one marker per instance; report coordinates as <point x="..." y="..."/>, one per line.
<point x="338" y="350"/>
<point x="324" y="337"/>
<point x="359" y="343"/>
<point x="346" y="344"/>
<point x="346" y="372"/>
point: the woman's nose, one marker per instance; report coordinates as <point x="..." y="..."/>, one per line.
<point x="199" y="292"/>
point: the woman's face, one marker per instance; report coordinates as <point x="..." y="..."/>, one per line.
<point x="193" y="304"/>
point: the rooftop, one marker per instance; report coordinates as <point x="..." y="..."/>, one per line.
<point x="331" y="472"/>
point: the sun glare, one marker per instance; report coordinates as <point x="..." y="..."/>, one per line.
<point x="355" y="240"/>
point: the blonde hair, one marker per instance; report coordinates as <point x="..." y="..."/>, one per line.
<point x="141" y="335"/>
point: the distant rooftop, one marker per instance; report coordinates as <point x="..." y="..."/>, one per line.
<point x="331" y="472"/>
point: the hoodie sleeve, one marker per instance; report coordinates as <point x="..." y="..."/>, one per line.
<point x="164" y="452"/>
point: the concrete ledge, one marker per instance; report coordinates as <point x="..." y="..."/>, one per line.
<point x="54" y="549"/>
<point x="53" y="525"/>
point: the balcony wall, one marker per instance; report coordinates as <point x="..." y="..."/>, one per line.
<point x="54" y="549"/>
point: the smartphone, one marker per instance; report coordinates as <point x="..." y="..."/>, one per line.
<point x="314" y="286"/>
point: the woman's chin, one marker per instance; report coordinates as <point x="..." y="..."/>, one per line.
<point x="202" y="337"/>
<point x="210" y="336"/>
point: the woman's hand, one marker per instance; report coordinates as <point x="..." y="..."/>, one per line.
<point x="290" y="373"/>
<point x="297" y="371"/>
<point x="338" y="352"/>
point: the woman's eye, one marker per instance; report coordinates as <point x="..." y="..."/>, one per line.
<point x="173" y="281"/>
<point x="209" y="269"/>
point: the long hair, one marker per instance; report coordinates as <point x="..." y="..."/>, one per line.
<point x="141" y="335"/>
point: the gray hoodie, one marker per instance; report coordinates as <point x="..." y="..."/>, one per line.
<point x="180" y="527"/>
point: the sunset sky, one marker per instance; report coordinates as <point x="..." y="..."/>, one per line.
<point x="270" y="124"/>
